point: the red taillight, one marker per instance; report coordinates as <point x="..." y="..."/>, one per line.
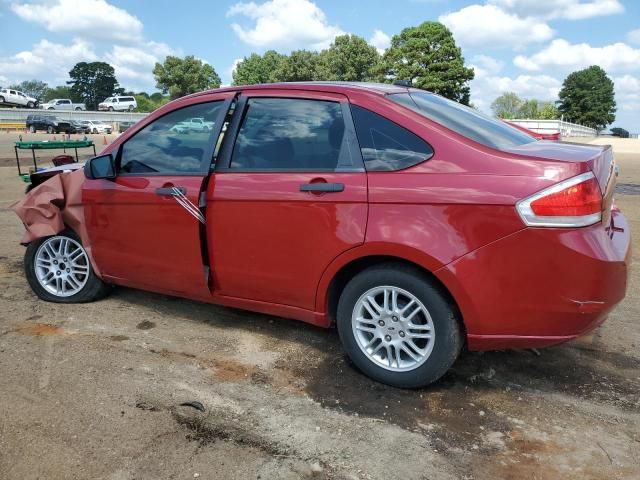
<point x="576" y="202"/>
<point x="581" y="199"/>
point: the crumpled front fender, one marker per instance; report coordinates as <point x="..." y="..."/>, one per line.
<point x="55" y="204"/>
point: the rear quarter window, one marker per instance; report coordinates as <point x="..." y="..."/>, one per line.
<point x="385" y="145"/>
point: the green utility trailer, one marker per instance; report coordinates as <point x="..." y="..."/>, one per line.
<point x="49" y="145"/>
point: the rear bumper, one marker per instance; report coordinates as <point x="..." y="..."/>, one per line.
<point x="540" y="286"/>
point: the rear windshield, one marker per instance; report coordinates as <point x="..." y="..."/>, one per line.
<point x="464" y="120"/>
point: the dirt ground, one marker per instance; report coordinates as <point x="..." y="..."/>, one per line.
<point x="95" y="391"/>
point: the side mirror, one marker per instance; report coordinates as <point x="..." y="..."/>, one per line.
<point x="100" y="167"/>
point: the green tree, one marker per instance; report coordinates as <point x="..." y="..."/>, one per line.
<point x="548" y="111"/>
<point x="506" y="105"/>
<point x="349" y="58"/>
<point x="587" y="97"/>
<point x="93" y="82"/>
<point x="61" y="91"/>
<point x="529" y="109"/>
<point x="300" y="66"/>
<point x="256" y="68"/>
<point x="182" y="76"/>
<point x="428" y="57"/>
<point x="149" y="103"/>
<point x="33" y="88"/>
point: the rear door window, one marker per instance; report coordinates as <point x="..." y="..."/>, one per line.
<point x="284" y="134"/>
<point x="385" y="145"/>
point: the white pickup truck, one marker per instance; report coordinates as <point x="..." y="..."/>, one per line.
<point x="62" y="104"/>
<point x="9" y="96"/>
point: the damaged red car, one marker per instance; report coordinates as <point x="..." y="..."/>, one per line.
<point x="414" y="224"/>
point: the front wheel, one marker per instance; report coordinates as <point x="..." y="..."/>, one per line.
<point x="397" y="326"/>
<point x="30" y="105"/>
<point x="49" y="130"/>
<point x="78" y="109"/>
<point x="58" y="270"/>
<point x="32" y="129"/>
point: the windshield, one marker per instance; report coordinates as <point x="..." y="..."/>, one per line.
<point x="466" y="121"/>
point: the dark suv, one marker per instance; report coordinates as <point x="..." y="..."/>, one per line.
<point x="49" y="123"/>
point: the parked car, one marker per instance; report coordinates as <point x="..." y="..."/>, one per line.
<point x="198" y="125"/>
<point x="118" y="104"/>
<point x="536" y="135"/>
<point x="414" y="224"/>
<point x="79" y="126"/>
<point x="62" y="104"/>
<point x="10" y="96"/>
<point x="180" y="127"/>
<point x="49" y="123"/>
<point x="97" y="127"/>
<point x="123" y="126"/>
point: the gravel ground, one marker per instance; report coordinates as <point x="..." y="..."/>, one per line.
<point x="95" y="391"/>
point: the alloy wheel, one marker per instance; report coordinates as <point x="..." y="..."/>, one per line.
<point x="61" y="266"/>
<point x="393" y="328"/>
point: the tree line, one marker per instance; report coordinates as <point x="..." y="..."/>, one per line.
<point x="586" y="97"/>
<point x="426" y="56"/>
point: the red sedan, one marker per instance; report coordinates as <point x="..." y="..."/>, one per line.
<point x="414" y="224"/>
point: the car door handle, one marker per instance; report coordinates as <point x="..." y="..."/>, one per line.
<point x="322" y="187"/>
<point x="170" y="191"/>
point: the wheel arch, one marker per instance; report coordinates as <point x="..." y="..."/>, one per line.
<point x="345" y="267"/>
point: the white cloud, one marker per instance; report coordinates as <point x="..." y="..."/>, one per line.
<point x="291" y="24"/>
<point x="552" y="9"/>
<point x="634" y="36"/>
<point x="46" y="60"/>
<point x="90" y="19"/>
<point x="489" y="83"/>
<point x="627" y="89"/>
<point x="133" y="65"/>
<point x="487" y="64"/>
<point x="380" y="40"/>
<point x="565" y="56"/>
<point x="490" y="26"/>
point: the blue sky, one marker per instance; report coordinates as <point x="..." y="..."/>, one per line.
<point x="526" y="46"/>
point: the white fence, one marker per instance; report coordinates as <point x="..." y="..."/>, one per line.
<point x="20" y="115"/>
<point x="566" y="129"/>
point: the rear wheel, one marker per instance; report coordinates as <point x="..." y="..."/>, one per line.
<point x="58" y="270"/>
<point x="1" y="99"/>
<point x="131" y="108"/>
<point x="397" y="327"/>
<point x="111" y="109"/>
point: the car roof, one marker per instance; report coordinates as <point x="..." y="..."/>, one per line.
<point x="336" y="87"/>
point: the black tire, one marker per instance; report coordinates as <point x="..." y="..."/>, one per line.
<point x="93" y="289"/>
<point x="111" y="109"/>
<point x="78" y="109"/>
<point x="50" y="130"/>
<point x="447" y="332"/>
<point x="32" y="129"/>
<point x="131" y="108"/>
<point x="1" y="99"/>
<point x="30" y="105"/>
